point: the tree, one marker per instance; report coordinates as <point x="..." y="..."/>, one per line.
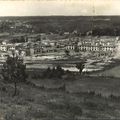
<point x="67" y="52"/>
<point x="80" y="66"/>
<point x="59" y="72"/>
<point x="14" y="70"/>
<point x="76" y="48"/>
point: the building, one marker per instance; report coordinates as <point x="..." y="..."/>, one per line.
<point x="3" y="48"/>
<point x="11" y="47"/>
<point x="104" y="46"/>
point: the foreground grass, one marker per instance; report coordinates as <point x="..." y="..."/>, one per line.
<point x="48" y="102"/>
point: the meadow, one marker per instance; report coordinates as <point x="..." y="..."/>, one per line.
<point x="73" y="97"/>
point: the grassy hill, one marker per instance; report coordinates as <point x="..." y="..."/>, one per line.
<point x="45" y="100"/>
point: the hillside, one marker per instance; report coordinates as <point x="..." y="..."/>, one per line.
<point x="82" y="98"/>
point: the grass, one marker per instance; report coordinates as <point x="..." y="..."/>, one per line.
<point x="80" y="100"/>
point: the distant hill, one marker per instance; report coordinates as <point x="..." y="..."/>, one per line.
<point x="101" y="25"/>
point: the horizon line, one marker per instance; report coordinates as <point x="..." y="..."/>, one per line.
<point x="61" y="16"/>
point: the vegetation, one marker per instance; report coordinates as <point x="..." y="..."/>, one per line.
<point x="101" y="25"/>
<point x="67" y="52"/>
<point x="14" y="71"/>
<point x="77" y="101"/>
<point x="55" y="72"/>
<point x="80" y="66"/>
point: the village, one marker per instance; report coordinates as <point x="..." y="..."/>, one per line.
<point x="40" y="50"/>
<point x="59" y="68"/>
<point x="24" y="37"/>
<point x="42" y="44"/>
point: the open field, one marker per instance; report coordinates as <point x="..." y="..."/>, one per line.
<point x="61" y="99"/>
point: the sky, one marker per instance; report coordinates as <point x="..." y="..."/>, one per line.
<point x="59" y="7"/>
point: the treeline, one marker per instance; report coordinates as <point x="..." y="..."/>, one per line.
<point x="109" y="31"/>
<point x="58" y="25"/>
<point x="82" y="29"/>
<point x="58" y="71"/>
<point x="100" y="25"/>
<point x="55" y="72"/>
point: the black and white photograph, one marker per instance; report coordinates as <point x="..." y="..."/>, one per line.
<point x="60" y="60"/>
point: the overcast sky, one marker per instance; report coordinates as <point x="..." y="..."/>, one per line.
<point x="59" y="7"/>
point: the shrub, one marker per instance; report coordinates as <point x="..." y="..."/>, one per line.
<point x="57" y="72"/>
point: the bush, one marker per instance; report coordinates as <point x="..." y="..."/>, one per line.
<point x="57" y="72"/>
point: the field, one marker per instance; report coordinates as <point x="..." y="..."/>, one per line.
<point x="71" y="98"/>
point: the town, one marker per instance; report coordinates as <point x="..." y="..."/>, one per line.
<point x="37" y="47"/>
<point x="42" y="44"/>
<point x="22" y="35"/>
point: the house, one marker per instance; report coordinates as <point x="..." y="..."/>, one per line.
<point x="66" y="33"/>
<point x="3" y="48"/>
<point x="70" y="47"/>
<point x="11" y="47"/>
